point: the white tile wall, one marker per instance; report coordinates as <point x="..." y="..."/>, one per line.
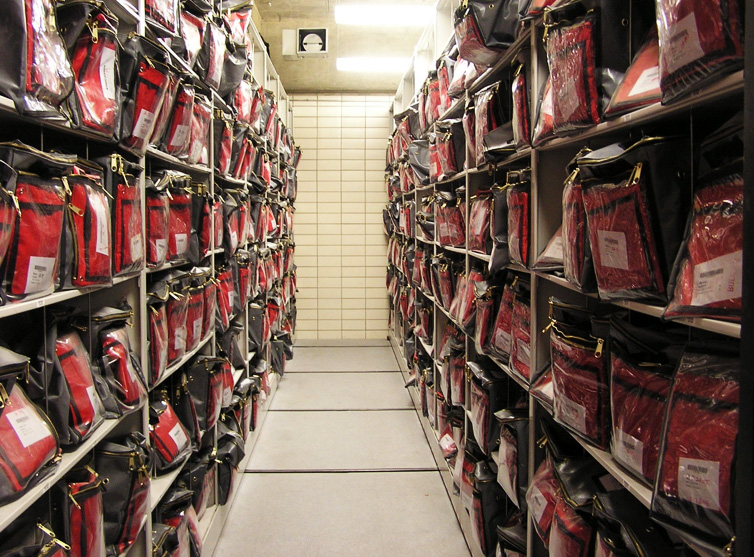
<point x="341" y="248"/>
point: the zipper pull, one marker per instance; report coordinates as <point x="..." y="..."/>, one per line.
<point x="94" y="28"/>
<point x="636" y="174"/>
<point x="598" y="350"/>
<point x="549" y="326"/>
<point x="72" y="498"/>
<point x="16" y="204"/>
<point x="78" y="211"/>
<point x="4" y="398"/>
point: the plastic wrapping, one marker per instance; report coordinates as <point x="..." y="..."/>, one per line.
<point x="141" y="108"/>
<point x="85" y="409"/>
<point x="488" y="116"/>
<point x="521" y="121"/>
<point x="551" y="257"/>
<point x="698" y="39"/>
<point x="119" y="363"/>
<point x="513" y="458"/>
<point x="225" y="293"/>
<point x="520" y="347"/>
<point x="642" y="363"/>
<point x="81" y="503"/>
<point x="127" y="220"/>
<point x="33" y="261"/>
<point x="542" y="497"/>
<point x="158" y="341"/>
<point x="707" y="278"/>
<point x="577" y="255"/>
<point x="543" y="130"/>
<point x="488" y="508"/>
<point x="177" y="310"/>
<point x="165" y="110"/>
<point x="517" y="196"/>
<point x="485" y="315"/>
<point x="194" y="317"/>
<point x="487" y="396"/>
<point x="641" y="84"/>
<point x="206" y="388"/>
<point x="484" y="30"/>
<point x="179" y="223"/>
<point x="89" y="215"/>
<point x="571" y="56"/>
<point x="201" y="122"/>
<point x="192" y="35"/>
<point x="466" y="311"/>
<point x="457" y="85"/>
<point x="177" y="134"/>
<point x="95" y="62"/>
<point x="570" y="534"/>
<point x="457" y="375"/>
<point x="500" y="340"/>
<point x="479" y="222"/>
<point x="163" y="16"/>
<point x="694" y="486"/>
<point x="168" y="436"/>
<point x="209" y="63"/>
<point x="26" y="450"/>
<point x="450" y="221"/>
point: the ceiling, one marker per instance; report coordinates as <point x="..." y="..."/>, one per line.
<point x="309" y="75"/>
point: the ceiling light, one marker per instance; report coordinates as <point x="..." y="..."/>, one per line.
<point x="385" y="15"/>
<point x="373" y="65"/>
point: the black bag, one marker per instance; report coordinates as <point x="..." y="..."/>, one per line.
<point x="230" y="453"/>
<point x="485" y="29"/>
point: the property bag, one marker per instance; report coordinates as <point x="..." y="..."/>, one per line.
<point x="145" y="76"/>
<point x="158" y="221"/>
<point x="209" y="63"/>
<point x="176" y="510"/>
<point x="81" y="512"/>
<point x="485" y="315"/>
<point x="520" y="113"/>
<point x="447" y="153"/>
<point x="210" y="305"/>
<point x="168" y="436"/>
<point x="234" y="65"/>
<point x="194" y="316"/>
<point x="520" y="345"/>
<point x="698" y="40"/>
<point x="8" y="211"/>
<point x="186" y="409"/>
<point x="642" y="363"/>
<point x="707" y="278"/>
<point x="488" y="393"/>
<point x="117" y="358"/>
<point x="223" y="138"/>
<point x="693" y="493"/>
<point x="456" y="376"/>
<point x="176" y="309"/>
<point x="158" y="332"/>
<point x="90" y="33"/>
<point x="485" y="29"/>
<point x="35" y="72"/>
<point x="500" y="256"/>
<point x="418" y="159"/>
<point x="479" y="222"/>
<point x="641" y="84"/>
<point x="570" y="533"/>
<point x="121" y="181"/>
<point x="206" y="388"/>
<point x="511" y="536"/>
<point x="543" y="129"/>
<point x="28" y="441"/>
<point x="513" y="454"/>
<point x="492" y="111"/>
<point x="201" y="122"/>
<point x="127" y="462"/>
<point x="165" y="110"/>
<point x="628" y="193"/>
<point x="542" y="497"/>
<point x="164" y="541"/>
<point x="225" y="295"/>
<point x="162" y="15"/>
<point x="179" y="217"/>
<point x="177" y="136"/>
<point x="200" y="243"/>
<point x="73" y="401"/>
<point x="450" y="219"/>
<point x="230" y="453"/>
<point x="88" y="260"/>
<point x="500" y="339"/>
<point x="190" y="41"/>
<point x="25" y="538"/>
<point x="488" y="509"/>
<point x="624" y="524"/>
<point x="578" y="267"/>
<point x="518" y="202"/>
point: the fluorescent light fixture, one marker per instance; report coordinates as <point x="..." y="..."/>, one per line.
<point x="373" y="64"/>
<point x="383" y="15"/>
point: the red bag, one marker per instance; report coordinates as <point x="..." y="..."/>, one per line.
<point x="168" y="436"/>
<point x="543" y="130"/>
<point x="84" y="513"/>
<point x="571" y="56"/>
<point x="242" y="100"/>
<point x="708" y="277"/>
<point x="225" y="293"/>
<point x="520" y="360"/>
<point x="210" y="306"/>
<point x="223" y="137"/>
<point x="33" y="260"/>
<point x="158" y="335"/>
<point x="518" y="222"/>
<point x="698" y="39"/>
<point x="86" y="412"/>
<point x="212" y="55"/>
<point x="451" y="226"/>
<point x="177" y="138"/>
<point x="177" y="311"/>
<point x="7" y="208"/>
<point x="479" y="222"/>
<point x="140" y="111"/>
<point x="576" y="248"/>
<point x="457" y="369"/>
<point x="28" y="442"/>
<point x="95" y="62"/>
<point x="500" y="340"/>
<point x="486" y="118"/>
<point x="179" y="223"/>
<point x="128" y="237"/>
<point x="192" y="35"/>
<point x="201" y="122"/>
<point x="165" y="110"/>
<point x="520" y="91"/>
<point x="641" y="84"/>
<point x="542" y="497"/>
<point x="163" y="15"/>
<point x="570" y="534"/>
<point x="194" y="317"/>
<point x="89" y="214"/>
<point x="697" y="453"/>
<point x="158" y="219"/>
<point x="485" y="314"/>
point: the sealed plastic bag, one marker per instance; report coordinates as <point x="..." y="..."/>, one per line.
<point x="641" y="84"/>
<point x="168" y="436"/>
<point x="201" y="121"/>
<point x="520" y="348"/>
<point x="484" y="30"/>
<point x="517" y="197"/>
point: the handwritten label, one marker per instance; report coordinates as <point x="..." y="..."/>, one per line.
<point x="144" y="124"/>
<point x="649" y="80"/>
<point x="628" y="450"/>
<point x="102" y="244"/>
<point x="718" y="279"/>
<point x="613" y="250"/>
<point x="683" y="47"/>
<point x="28" y="426"/>
<point x="178" y="435"/>
<point x="699" y="482"/>
<point x="570" y="412"/>
<point x="107" y="72"/>
<point x="39" y="276"/>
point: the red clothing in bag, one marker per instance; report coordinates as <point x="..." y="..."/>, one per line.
<point x="542" y="497"/>
<point x="518" y="223"/>
<point x="158" y="217"/>
<point x="194" y="318"/>
<point x="128" y="238"/>
<point x="124" y="378"/>
<point x="177" y="310"/>
<point x="148" y="94"/>
<point x="500" y="341"/>
<point x="179" y="225"/>
<point x="89" y="212"/>
<point x="570" y="534"/>
<point x="85" y="521"/>
<point x="520" y="360"/>
<point x="177" y="136"/>
<point x="574" y="230"/>
<point x="168" y="436"/>
<point x="158" y="342"/>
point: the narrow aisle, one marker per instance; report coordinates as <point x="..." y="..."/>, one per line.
<point x="342" y="467"/>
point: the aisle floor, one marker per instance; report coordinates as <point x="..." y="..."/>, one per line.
<point x="342" y="467"/>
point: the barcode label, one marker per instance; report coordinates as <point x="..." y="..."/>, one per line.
<point x="29" y="427"/>
<point x="40" y="271"/>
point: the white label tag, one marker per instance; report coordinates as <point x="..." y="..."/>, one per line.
<point x="503" y="341"/>
<point x="649" y="80"/>
<point x="683" y="47"/>
<point x="555" y="249"/>
<point x="548" y="391"/>
<point x="699" y="482"/>
<point x="137" y="248"/>
<point x="613" y="249"/>
<point x="102" y="245"/>
<point x="179" y="339"/>
<point x="571" y="412"/>
<point x="537" y="503"/>
<point x="197" y="329"/>
<point x="39" y="277"/>
<point x="91" y="392"/>
<point x="28" y="426"/>
<point x="195" y="149"/>
<point x="107" y="73"/>
<point x="523" y="352"/>
<point x="546" y="107"/>
<point x="230" y="301"/>
<point x="628" y="450"/>
<point x="181" y="243"/>
<point x="161" y="247"/>
<point x="163" y="358"/>
<point x="718" y="279"/>
<point x="144" y="124"/>
<point x="233" y="239"/>
<point x="180" y="136"/>
<point x="178" y="436"/>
